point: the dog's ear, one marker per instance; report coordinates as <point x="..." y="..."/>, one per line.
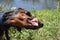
<point x="28" y="13"/>
<point x="6" y="15"/>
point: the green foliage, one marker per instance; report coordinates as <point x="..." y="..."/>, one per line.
<point x="0" y="8"/>
<point x="50" y="30"/>
<point x="58" y="7"/>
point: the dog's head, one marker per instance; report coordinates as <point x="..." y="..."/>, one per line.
<point x="22" y="20"/>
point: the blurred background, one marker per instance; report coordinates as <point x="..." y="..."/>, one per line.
<point x="47" y="11"/>
<point x="30" y="4"/>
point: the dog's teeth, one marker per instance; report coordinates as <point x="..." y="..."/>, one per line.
<point x="36" y="24"/>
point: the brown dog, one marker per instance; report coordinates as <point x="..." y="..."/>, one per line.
<point x="19" y="18"/>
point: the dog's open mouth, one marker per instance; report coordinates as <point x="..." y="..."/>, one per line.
<point x="33" y="21"/>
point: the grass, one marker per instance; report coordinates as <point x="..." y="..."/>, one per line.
<point x="50" y="30"/>
<point x="0" y="8"/>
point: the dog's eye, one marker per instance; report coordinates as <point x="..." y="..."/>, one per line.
<point x="22" y="12"/>
<point x="21" y="19"/>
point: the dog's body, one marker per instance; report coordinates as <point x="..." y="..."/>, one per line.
<point x="0" y="21"/>
<point x="19" y="18"/>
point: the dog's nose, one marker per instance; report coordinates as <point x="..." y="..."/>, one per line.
<point x="42" y="25"/>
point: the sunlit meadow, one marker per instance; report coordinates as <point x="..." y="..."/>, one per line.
<point x="50" y="30"/>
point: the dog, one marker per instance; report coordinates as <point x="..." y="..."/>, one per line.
<point x="19" y="18"/>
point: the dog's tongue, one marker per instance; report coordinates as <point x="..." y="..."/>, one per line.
<point x="36" y="24"/>
<point x="34" y="21"/>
